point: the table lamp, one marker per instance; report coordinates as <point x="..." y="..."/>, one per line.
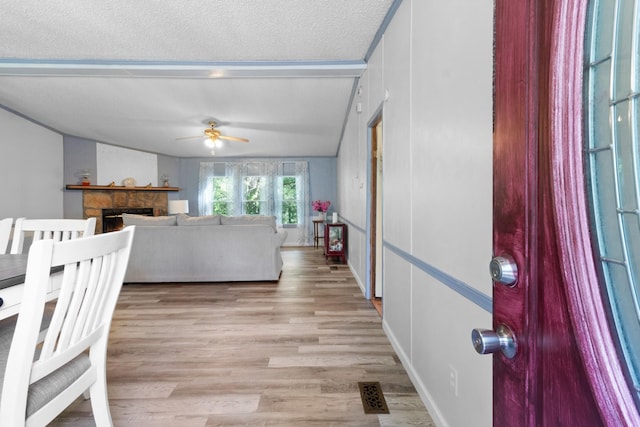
<point x="178" y="206"/>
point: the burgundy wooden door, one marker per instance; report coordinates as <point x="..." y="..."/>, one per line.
<point x="566" y="371"/>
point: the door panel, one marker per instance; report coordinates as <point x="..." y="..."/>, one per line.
<point x="514" y="157"/>
<point x="561" y="374"/>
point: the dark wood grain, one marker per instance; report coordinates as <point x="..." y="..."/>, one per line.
<point x="515" y="389"/>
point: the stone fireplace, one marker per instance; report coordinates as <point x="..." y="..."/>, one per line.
<point x="112" y="218"/>
<point x="94" y="200"/>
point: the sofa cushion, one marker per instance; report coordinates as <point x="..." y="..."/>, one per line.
<point x="184" y="219"/>
<point x="249" y="220"/>
<point x="132" y="219"/>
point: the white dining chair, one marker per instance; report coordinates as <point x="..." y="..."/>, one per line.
<point x="40" y="381"/>
<point x="56" y="229"/>
<point x="5" y="234"/>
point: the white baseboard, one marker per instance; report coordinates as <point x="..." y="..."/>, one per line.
<point x="424" y="394"/>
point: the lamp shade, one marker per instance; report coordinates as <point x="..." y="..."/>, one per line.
<point x="178" y="206"/>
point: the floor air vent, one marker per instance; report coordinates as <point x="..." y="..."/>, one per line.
<point x="372" y="398"/>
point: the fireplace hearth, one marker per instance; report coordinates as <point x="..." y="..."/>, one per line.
<point x="112" y="218"/>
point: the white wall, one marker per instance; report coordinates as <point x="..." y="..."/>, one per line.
<point x="115" y="164"/>
<point x="31" y="166"/>
<point x="431" y="76"/>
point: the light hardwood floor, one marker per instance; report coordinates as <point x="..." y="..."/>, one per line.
<point x="252" y="354"/>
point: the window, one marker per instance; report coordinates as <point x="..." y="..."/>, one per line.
<point x="269" y="187"/>
<point x="289" y="200"/>
<point x="254" y="200"/>
<point x="222" y="191"/>
<point x="613" y="165"/>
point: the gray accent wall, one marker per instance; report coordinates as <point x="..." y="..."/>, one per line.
<point x="79" y="154"/>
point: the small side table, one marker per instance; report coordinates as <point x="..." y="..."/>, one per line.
<point x="316" y="232"/>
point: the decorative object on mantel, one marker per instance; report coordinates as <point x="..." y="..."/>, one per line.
<point x="129" y="182"/>
<point x="178" y="206"/>
<point x="112" y="184"/>
<point x="118" y="187"/>
<point x="165" y="180"/>
<point x="86" y="173"/>
<point x="149" y="185"/>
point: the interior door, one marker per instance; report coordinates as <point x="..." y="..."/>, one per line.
<point x="560" y="367"/>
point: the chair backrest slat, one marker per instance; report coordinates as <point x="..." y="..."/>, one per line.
<point x="5" y="234"/>
<point x="54" y="229"/>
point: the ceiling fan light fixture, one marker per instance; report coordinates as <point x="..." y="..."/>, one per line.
<point x="212" y="136"/>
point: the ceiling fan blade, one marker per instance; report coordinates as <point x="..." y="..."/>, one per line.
<point x="233" y="138"/>
<point x="190" y="137"/>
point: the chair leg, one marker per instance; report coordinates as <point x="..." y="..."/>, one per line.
<point x="100" y="401"/>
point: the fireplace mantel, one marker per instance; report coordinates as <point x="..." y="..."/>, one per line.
<point x="119" y="188"/>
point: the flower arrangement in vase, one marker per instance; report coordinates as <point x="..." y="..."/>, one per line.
<point x="321" y="206"/>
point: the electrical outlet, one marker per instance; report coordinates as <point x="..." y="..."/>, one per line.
<point x="453" y="380"/>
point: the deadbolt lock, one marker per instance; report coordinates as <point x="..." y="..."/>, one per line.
<point x="504" y="270"/>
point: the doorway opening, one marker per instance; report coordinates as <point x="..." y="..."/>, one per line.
<point x="375" y="212"/>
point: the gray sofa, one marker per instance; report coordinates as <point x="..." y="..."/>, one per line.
<point x="204" y="249"/>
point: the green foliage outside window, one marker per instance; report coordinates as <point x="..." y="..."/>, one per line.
<point x="289" y="200"/>
<point x="253" y="195"/>
<point x="221" y="196"/>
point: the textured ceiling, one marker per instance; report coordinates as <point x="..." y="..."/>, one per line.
<point x="142" y="74"/>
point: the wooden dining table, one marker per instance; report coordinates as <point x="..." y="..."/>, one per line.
<point x="13" y="270"/>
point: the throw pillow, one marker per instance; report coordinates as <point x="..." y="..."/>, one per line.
<point x="184" y="219"/>
<point x="132" y="219"/>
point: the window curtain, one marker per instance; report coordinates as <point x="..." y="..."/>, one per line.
<point x="233" y="171"/>
<point x="274" y="171"/>
<point x="267" y="169"/>
<point x="301" y="172"/>
<point x="205" y="188"/>
<point x="302" y="176"/>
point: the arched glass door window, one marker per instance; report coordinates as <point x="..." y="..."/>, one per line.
<point x="612" y="133"/>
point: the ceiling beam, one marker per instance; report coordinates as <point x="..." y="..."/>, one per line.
<point x="202" y="70"/>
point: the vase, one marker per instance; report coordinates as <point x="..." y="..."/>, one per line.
<point x="322" y="215"/>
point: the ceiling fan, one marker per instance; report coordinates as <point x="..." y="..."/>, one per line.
<point x="214" y="134"/>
